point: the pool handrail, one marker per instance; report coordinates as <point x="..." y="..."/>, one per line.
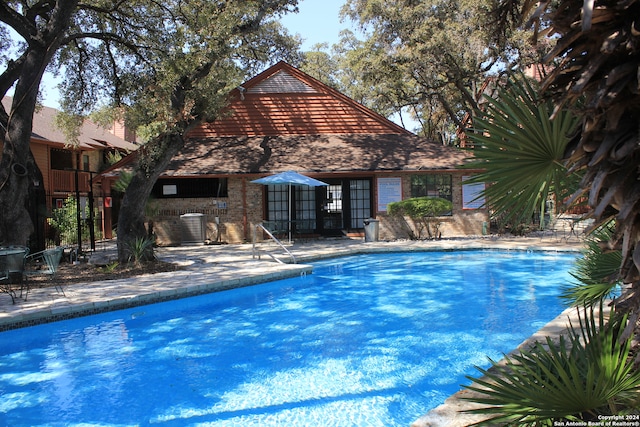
<point x="260" y="227"/>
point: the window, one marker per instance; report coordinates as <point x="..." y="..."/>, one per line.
<point x="61" y="159"/>
<point x="431" y="185"/>
<point x="190" y="188"/>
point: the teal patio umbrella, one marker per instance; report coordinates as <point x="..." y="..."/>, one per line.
<point x="291" y="179"/>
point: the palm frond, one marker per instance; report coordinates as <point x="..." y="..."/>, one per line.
<point x="596" y="272"/>
<point x="586" y="374"/>
<point x="521" y="148"/>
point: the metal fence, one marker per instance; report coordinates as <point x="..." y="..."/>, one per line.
<point x="70" y="222"/>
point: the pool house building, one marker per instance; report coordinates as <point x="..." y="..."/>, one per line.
<point x="284" y="119"/>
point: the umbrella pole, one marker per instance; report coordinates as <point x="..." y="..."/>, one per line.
<point x="289" y="213"/>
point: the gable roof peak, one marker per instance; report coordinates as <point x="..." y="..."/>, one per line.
<point x="281" y="82"/>
<point x="283" y="100"/>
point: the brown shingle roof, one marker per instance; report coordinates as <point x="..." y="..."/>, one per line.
<point x="91" y="136"/>
<point x="283" y="119"/>
<point x="312" y="153"/>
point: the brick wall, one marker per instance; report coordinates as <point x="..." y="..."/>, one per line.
<point x="463" y="222"/>
<point x="235" y="227"/>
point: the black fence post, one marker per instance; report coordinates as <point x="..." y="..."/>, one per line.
<point x="78" y="216"/>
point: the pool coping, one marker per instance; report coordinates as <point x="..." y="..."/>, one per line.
<point x="128" y="297"/>
<point x="208" y="269"/>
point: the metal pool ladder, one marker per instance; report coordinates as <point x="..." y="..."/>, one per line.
<point x="257" y="252"/>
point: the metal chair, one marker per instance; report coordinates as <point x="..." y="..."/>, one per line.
<point x="45" y="263"/>
<point x="12" y="261"/>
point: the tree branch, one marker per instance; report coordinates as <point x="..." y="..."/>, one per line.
<point x="103" y="37"/>
<point x="19" y="23"/>
<point x="11" y="74"/>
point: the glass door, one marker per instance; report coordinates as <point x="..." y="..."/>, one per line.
<point x="332" y="221"/>
<point x="304" y="221"/>
<point x="360" y="202"/>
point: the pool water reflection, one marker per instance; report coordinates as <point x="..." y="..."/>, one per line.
<point x="369" y="340"/>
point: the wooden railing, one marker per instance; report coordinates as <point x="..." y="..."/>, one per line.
<point x="66" y="181"/>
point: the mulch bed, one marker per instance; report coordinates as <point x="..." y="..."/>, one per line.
<point x="84" y="272"/>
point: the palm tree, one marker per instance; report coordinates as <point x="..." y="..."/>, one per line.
<point x="594" y="70"/>
<point x="521" y="149"/>
<point x="522" y="146"/>
<point x="596" y="272"/>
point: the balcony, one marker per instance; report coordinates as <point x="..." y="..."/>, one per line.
<point x="65" y="181"/>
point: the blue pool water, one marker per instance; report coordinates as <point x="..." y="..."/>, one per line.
<point x="371" y="340"/>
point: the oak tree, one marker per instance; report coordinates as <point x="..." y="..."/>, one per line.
<point x="165" y="64"/>
<point x="434" y="58"/>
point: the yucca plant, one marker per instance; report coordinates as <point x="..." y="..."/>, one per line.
<point x="141" y="249"/>
<point x="587" y="374"/>
<point x="110" y="268"/>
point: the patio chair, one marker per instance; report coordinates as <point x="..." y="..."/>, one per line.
<point x="45" y="263"/>
<point x="551" y="229"/>
<point x="5" y="285"/>
<point x="12" y="259"/>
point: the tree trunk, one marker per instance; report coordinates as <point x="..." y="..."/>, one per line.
<point x="18" y="170"/>
<point x="17" y="164"/>
<point x="153" y="160"/>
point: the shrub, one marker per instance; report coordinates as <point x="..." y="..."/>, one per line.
<point x="423" y="212"/>
<point x="65" y="221"/>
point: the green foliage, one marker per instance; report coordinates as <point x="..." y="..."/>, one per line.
<point x="321" y="65"/>
<point x="422" y="211"/>
<point x="70" y="125"/>
<point x="597" y="271"/>
<point x="65" y="221"/>
<point x="113" y="157"/>
<point x="148" y="131"/>
<point x="209" y="48"/>
<point x="521" y="147"/>
<point x="123" y="181"/>
<point x="420" y="207"/>
<point x="430" y="58"/>
<point x="580" y="377"/>
<point x="111" y="267"/>
<point x="141" y="249"/>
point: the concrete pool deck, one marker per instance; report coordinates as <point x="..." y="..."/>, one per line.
<point x="212" y="268"/>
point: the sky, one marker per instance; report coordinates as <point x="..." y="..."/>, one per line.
<point x="317" y="21"/>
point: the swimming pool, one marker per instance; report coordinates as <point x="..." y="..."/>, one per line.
<point x="367" y="340"/>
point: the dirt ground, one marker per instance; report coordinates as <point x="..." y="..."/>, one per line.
<point x="84" y="272"/>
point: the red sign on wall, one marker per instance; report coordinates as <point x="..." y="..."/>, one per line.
<point x="107" y="202"/>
